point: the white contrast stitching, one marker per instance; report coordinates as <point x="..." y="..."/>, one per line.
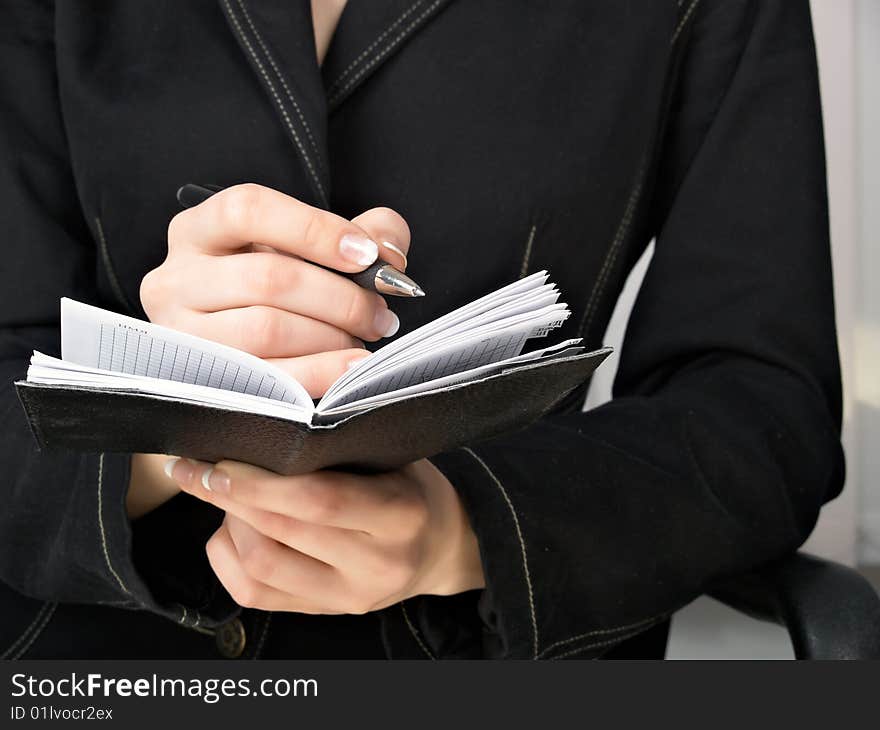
<point x="263" y="636"/>
<point x="602" y="632"/>
<point x="684" y="20"/>
<point x="596" y="645"/>
<point x="287" y="90"/>
<point x="375" y="43"/>
<point x="611" y="255"/>
<point x="528" y="254"/>
<point x="101" y="524"/>
<point x="623" y="228"/>
<point x="39" y="630"/>
<point x="522" y="546"/>
<point x="414" y="632"/>
<point x="390" y="47"/>
<point x="108" y="265"/>
<point x="24" y="634"/>
<point x="277" y="98"/>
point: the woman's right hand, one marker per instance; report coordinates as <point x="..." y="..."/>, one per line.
<point x="241" y="270"/>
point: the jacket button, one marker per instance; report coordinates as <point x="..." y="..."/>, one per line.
<point x="231" y="639"/>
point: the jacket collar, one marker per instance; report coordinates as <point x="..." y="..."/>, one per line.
<point x="277" y="38"/>
<point x="369" y="33"/>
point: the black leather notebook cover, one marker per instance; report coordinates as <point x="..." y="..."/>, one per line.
<point x="386" y="437"/>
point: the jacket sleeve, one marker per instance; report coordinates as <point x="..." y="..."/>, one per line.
<point x="64" y="533"/>
<point x="722" y="440"/>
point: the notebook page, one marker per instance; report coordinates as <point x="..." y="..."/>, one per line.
<point x="51" y="371"/>
<point x="559" y="350"/>
<point x="469" y="352"/>
<point x="535" y="304"/>
<point x="461" y="334"/>
<point x="512" y="292"/>
<point x="107" y="341"/>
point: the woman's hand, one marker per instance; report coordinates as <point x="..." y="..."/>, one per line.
<point x="241" y="270"/>
<point x="331" y="542"/>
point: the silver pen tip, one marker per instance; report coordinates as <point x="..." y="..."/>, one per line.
<point x="395" y="283"/>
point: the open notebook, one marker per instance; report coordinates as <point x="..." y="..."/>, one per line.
<point x="128" y="386"/>
<point x="101" y="349"/>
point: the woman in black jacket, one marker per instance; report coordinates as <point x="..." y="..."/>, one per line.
<point x="507" y="138"/>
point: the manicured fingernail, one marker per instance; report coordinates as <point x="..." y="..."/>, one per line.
<point x="358" y="249"/>
<point x="180" y="470"/>
<point x="356" y="361"/>
<point x="169" y="467"/>
<point x="389" y="245"/>
<point x="215" y="480"/>
<point x="386" y="322"/>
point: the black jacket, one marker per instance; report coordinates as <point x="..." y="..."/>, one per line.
<point x="513" y="136"/>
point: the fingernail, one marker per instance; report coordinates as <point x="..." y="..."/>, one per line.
<point x="169" y="467"/>
<point x="355" y="361"/>
<point x="180" y="470"/>
<point x="215" y="480"/>
<point x="386" y="322"/>
<point x="358" y="249"/>
<point x="388" y="244"/>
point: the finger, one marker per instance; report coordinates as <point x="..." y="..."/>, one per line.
<point x="334" y="546"/>
<point x="390" y="230"/>
<point x="334" y="499"/>
<point x="264" y="331"/>
<point x="319" y="371"/>
<point x="249" y="213"/>
<point x="278" y="566"/>
<point x="215" y="283"/>
<point x="369" y="504"/>
<point x="245" y="590"/>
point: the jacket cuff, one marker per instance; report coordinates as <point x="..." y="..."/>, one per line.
<point x="158" y="563"/>
<point x="495" y="623"/>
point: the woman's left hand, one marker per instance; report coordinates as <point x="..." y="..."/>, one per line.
<point x="331" y="542"/>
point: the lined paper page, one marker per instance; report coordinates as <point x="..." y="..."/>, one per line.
<point x="559" y="350"/>
<point x="469" y="351"/>
<point x="126" y="350"/>
<point x="107" y="341"/>
<point x="459" y="337"/>
<point x="51" y="371"/>
<point x="470" y="315"/>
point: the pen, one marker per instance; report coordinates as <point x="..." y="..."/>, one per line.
<point x="381" y="277"/>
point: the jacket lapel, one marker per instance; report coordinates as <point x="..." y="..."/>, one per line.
<point x="369" y="33"/>
<point x="278" y="41"/>
<point x="277" y="38"/>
